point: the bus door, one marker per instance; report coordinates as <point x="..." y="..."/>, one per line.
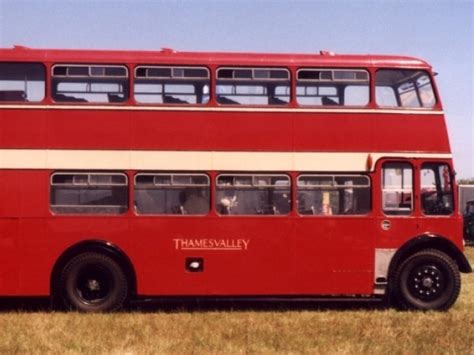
<point x="397" y="213"/>
<point x="333" y="238"/>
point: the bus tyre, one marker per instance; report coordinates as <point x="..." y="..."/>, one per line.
<point x="427" y="280"/>
<point x="93" y="282"/>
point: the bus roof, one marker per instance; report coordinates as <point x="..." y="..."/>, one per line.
<point x="170" y="56"/>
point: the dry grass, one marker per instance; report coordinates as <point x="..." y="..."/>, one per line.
<point x="333" y="330"/>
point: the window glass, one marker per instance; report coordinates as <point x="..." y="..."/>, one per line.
<point x="186" y="194"/>
<point x="404" y="88"/>
<point x="22" y="82"/>
<point x="325" y="195"/>
<point x="171" y="85"/>
<point x="397" y="188"/>
<point x="89" y="83"/>
<point x="89" y="193"/>
<point x="386" y="96"/>
<point x="436" y="189"/>
<point x="332" y="87"/>
<point x="253" y="86"/>
<point x="253" y="194"/>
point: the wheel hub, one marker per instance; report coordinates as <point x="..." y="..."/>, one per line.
<point x="93" y="285"/>
<point x="426" y="282"/>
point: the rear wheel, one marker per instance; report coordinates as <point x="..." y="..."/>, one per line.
<point x="427" y="280"/>
<point x="93" y="282"/>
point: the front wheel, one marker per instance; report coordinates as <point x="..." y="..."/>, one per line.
<point x="427" y="280"/>
<point x="93" y="282"/>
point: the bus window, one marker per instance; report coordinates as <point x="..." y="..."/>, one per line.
<point x="89" y="193"/>
<point x="171" y="85"/>
<point x="397" y="188"/>
<point x="253" y="194"/>
<point x="333" y="195"/>
<point x="253" y="86"/>
<point x="186" y="194"/>
<point x="404" y="88"/>
<point x="22" y="82"/>
<point x="332" y="87"/>
<point x="89" y="83"/>
<point x="436" y="189"/>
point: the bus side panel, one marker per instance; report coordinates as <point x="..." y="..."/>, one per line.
<point x="91" y="129"/>
<point x="450" y="227"/>
<point x="23" y="128"/>
<point x="9" y="257"/>
<point x="381" y="132"/>
<point x="161" y="130"/>
<point x="223" y="131"/>
<point x="23" y="248"/>
<point x="251" y="258"/>
<point x="254" y="132"/>
<point x="334" y="255"/>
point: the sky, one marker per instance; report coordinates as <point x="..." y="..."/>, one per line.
<point x="440" y="32"/>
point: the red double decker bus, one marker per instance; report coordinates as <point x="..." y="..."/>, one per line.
<point x="134" y="174"/>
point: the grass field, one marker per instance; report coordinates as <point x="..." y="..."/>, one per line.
<point x="306" y="328"/>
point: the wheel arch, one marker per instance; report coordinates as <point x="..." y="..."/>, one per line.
<point x="430" y="241"/>
<point x="98" y="246"/>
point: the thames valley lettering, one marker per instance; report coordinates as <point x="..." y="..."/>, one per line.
<point x="211" y="244"/>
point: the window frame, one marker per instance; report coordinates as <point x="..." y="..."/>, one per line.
<point x="451" y="184"/>
<point x="324" y="83"/>
<point x="333" y="187"/>
<point x="397" y="94"/>
<point x="252" y="186"/>
<point x="88" y="79"/>
<point x="84" y="186"/>
<point x="45" y="84"/>
<point x="252" y="81"/>
<point x="206" y="81"/>
<point x="172" y="186"/>
<point x="413" y="191"/>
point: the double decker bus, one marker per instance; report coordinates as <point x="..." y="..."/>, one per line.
<point x="132" y="174"/>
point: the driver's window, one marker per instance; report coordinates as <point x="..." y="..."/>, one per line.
<point x="436" y="189"/>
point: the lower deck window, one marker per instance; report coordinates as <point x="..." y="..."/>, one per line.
<point x="89" y="193"/>
<point x="325" y="195"/>
<point x="186" y="194"/>
<point x="253" y="195"/>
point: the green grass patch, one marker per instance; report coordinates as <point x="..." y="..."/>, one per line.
<point x="334" y="330"/>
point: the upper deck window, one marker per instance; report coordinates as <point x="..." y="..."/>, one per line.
<point x="22" y="82"/>
<point x="332" y="87"/>
<point x="171" y="85"/>
<point x="404" y="88"/>
<point x="253" y="86"/>
<point x="90" y="83"/>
